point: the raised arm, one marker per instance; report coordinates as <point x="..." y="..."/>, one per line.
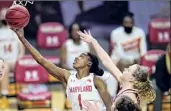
<point x="104" y="57"/>
<point x="59" y="73"/>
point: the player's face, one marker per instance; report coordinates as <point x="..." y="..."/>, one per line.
<point x="128" y="73"/>
<point x="81" y="61"/>
<point x="128" y="22"/>
<point x="2" y="70"/>
<point x="74" y="33"/>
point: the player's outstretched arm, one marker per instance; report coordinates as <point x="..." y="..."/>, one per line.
<point x="104" y="57"/>
<point x="59" y="73"/>
<point x="102" y="89"/>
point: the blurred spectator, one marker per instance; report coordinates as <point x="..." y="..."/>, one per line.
<point x="163" y="71"/>
<point x="129" y="43"/>
<point x="73" y="47"/>
<point x="10" y="50"/>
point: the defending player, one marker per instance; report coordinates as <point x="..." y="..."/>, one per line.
<point x="80" y="86"/>
<point x="134" y="81"/>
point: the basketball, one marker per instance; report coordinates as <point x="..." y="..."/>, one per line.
<point x="17" y="16"/>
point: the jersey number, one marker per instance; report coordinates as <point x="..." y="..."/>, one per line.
<point x="79" y="101"/>
<point x="52" y="40"/>
<point x="31" y="76"/>
<point x="163" y="36"/>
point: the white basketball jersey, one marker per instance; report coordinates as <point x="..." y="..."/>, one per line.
<point x="9" y="44"/>
<point x="74" y="50"/>
<point x="79" y="90"/>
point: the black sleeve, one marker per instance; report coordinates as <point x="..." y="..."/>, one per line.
<point x="159" y="74"/>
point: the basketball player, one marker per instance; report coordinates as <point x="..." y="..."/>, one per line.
<point x="73" y="47"/>
<point x="80" y="86"/>
<point x="134" y="81"/>
<point x="10" y="50"/>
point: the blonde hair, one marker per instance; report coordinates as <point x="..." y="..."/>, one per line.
<point x="143" y="85"/>
<point x="145" y="91"/>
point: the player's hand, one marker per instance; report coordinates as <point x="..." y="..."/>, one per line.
<point x="19" y="32"/>
<point x="86" y="36"/>
<point x="90" y="106"/>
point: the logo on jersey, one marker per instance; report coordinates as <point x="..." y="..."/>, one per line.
<point x="132" y="45"/>
<point x="77" y="89"/>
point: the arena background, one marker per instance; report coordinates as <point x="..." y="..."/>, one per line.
<point x="101" y="17"/>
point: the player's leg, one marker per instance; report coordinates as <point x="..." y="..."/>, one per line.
<point x="4" y="88"/>
<point x="5" y="80"/>
<point x="9" y="67"/>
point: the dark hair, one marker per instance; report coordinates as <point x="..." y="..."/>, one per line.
<point x="95" y="65"/>
<point x="71" y="27"/>
<point x="128" y="14"/>
<point x="124" y="103"/>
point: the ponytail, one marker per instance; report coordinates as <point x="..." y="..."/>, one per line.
<point x="145" y="91"/>
<point x="143" y="85"/>
<point x="98" y="71"/>
<point x="95" y="65"/>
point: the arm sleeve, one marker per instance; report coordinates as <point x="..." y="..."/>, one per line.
<point x="158" y="75"/>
